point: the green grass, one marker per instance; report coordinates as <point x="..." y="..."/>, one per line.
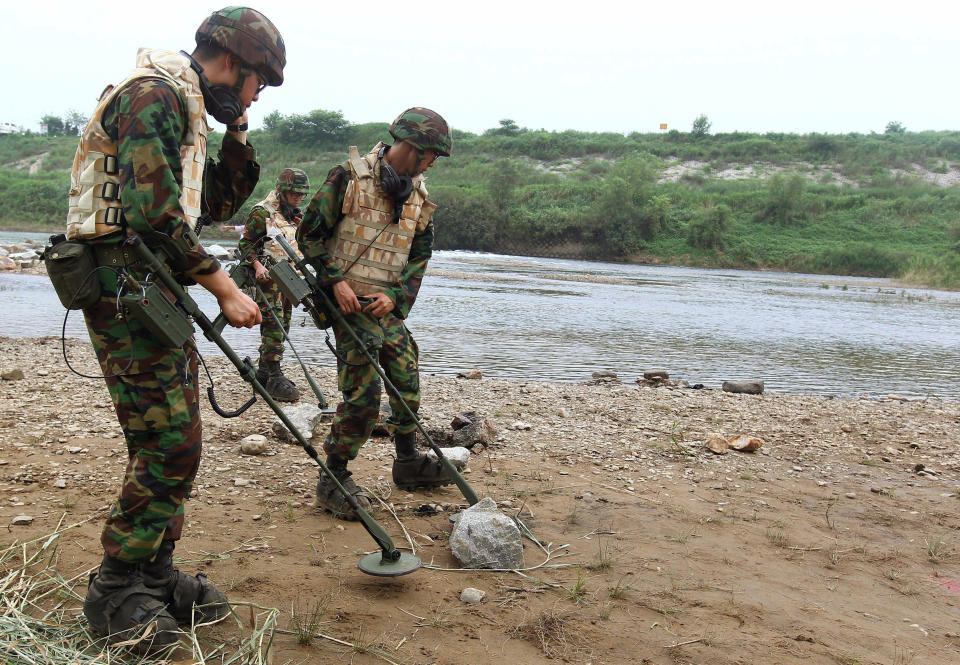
<point x="598" y="195"/>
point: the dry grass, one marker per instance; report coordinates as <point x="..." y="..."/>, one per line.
<point x="554" y="632"/>
<point x="41" y="619"/>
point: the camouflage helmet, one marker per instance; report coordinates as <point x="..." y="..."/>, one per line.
<point x="423" y="129"/>
<point x="250" y="36"/>
<point x="293" y="180"/>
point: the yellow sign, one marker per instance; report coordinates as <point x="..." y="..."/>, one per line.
<point x="663" y="126"/>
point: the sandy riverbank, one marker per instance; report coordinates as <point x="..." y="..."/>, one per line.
<point x="825" y="546"/>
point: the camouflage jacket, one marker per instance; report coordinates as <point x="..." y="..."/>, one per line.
<point x="254" y="231"/>
<point x="319" y="223"/>
<point x="147" y="122"/>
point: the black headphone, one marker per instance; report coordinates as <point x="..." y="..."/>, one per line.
<point x="221" y="101"/>
<point x="392" y="183"/>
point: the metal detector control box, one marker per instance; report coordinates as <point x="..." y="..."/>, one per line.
<point x="153" y="309"/>
<point x="292" y="285"/>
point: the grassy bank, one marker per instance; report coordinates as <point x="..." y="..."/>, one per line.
<point x="877" y="205"/>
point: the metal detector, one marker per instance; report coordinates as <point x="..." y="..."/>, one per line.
<point x="243" y="277"/>
<point x="306" y="290"/>
<point x="389" y="562"/>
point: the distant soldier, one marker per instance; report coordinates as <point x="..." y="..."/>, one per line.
<point x="368" y="232"/>
<point x="142" y="168"/>
<point x="279" y="213"/>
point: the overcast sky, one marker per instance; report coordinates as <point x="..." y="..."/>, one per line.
<point x="598" y="65"/>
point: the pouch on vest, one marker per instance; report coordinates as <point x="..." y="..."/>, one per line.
<point x="71" y="267"/>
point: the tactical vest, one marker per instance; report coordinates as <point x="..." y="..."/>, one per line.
<point x="277" y="224"/>
<point x="367" y="244"/>
<point x="95" y="209"/>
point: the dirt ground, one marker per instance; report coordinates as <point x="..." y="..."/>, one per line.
<point x="831" y="544"/>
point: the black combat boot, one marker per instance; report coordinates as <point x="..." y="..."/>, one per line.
<point x="120" y="606"/>
<point x="184" y="593"/>
<point x="330" y="498"/>
<point x="276" y="384"/>
<point x="413" y="469"/>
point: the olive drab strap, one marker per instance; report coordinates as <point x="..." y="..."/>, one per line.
<point x="277" y="224"/>
<point x="368" y="245"/>
<point x="94" y="207"/>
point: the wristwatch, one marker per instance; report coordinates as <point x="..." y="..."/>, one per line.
<point x="238" y="128"/>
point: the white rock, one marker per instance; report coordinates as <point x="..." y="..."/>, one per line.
<point x="471" y="595"/>
<point x="21" y="520"/>
<point x="255" y="444"/>
<point x="241" y="482"/>
<point x="458" y="455"/>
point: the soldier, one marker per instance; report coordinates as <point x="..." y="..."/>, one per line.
<point x="142" y="168"/>
<point x="368" y="232"/>
<point x="279" y="213"/>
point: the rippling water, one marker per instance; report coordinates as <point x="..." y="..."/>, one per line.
<point x="559" y="320"/>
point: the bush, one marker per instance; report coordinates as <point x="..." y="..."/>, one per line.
<point x="706" y="230"/>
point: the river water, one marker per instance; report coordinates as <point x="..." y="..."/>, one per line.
<point x="559" y="320"/>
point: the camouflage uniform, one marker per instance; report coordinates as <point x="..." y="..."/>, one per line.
<point x="142" y="168"/>
<point x="398" y="353"/>
<point x="155" y="396"/>
<point x="271" y="335"/>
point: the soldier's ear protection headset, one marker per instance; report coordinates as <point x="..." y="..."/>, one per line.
<point x="222" y="102"/>
<point x="392" y="183"/>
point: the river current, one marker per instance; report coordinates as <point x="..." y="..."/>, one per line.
<point x="536" y="319"/>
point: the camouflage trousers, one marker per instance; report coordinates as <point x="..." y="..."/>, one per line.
<point x="392" y="344"/>
<point x="271" y="334"/>
<point x="156" y="401"/>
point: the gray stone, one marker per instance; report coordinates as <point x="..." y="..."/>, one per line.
<point x="22" y="520"/>
<point x="255" y="444"/>
<point x="479" y="431"/>
<point x="744" y="387"/>
<point x="12" y="375"/>
<point x="457" y="455"/>
<point x="660" y="374"/>
<point x="60" y="483"/>
<point x="470" y="374"/>
<point x="605" y="375"/>
<point x="303" y="416"/>
<point x="472" y="596"/>
<point x="23" y="256"/>
<point x="483" y="537"/>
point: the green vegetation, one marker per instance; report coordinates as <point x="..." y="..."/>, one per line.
<point x="858" y="204"/>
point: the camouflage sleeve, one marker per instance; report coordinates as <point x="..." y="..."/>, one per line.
<point x="319" y="222"/>
<point x="229" y="181"/>
<point x="405" y="293"/>
<point x="254" y="231"/>
<point x="147" y="121"/>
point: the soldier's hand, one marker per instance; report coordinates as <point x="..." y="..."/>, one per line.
<point x="346" y="298"/>
<point x="381" y="305"/>
<point x="261" y="272"/>
<point x="240" y="310"/>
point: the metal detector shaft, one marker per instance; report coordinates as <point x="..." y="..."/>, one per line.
<point x="321" y="398"/>
<point x="337" y="315"/>
<point x="249" y="374"/>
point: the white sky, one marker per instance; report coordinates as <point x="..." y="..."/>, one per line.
<point x="598" y="65"/>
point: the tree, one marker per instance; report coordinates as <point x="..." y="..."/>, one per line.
<point x="701" y="126"/>
<point x="895" y="127"/>
<point x="53" y="125"/>
<point x="318" y="128"/>
<point x="507" y="128"/>
<point x="74" y="122"/>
